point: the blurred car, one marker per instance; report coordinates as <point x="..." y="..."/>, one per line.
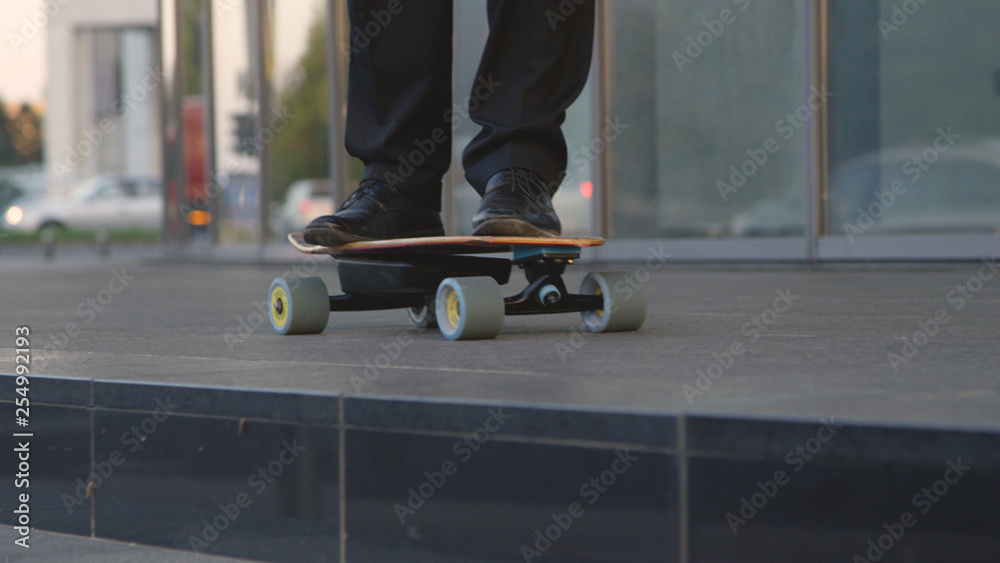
<point x="770" y="217"/>
<point x="8" y="194"/>
<point x="112" y="201"/>
<point x="958" y="192"/>
<point x="305" y="200"/>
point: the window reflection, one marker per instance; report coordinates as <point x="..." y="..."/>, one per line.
<point x="704" y="90"/>
<point x="916" y="141"/>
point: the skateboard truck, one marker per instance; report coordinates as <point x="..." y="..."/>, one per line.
<point x="546" y="292"/>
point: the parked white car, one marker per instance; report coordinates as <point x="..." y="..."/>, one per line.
<point x="306" y="200"/>
<point x="111" y="201"/>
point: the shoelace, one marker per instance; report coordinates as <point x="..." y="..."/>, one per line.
<point x="526" y="181"/>
<point x="365" y="187"/>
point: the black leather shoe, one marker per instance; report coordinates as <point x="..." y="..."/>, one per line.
<point x="517" y="203"/>
<point x="375" y="211"/>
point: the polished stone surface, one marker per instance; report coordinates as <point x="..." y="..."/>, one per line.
<point x="482" y="498"/>
<point x="552" y="422"/>
<point x="829" y="508"/>
<point x="59" y="453"/>
<point x="243" y="488"/>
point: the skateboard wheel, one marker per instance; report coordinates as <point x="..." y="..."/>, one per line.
<point x="469" y="308"/>
<point x="624" y="302"/>
<point x="424" y="316"/>
<point x="299" y="305"/>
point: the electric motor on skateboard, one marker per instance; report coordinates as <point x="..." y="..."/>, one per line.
<point x="445" y="282"/>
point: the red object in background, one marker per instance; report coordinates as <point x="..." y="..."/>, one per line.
<point x="587" y="189"/>
<point x="305" y="206"/>
<point x="194" y="149"/>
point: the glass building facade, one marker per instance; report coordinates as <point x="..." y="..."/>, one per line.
<point x="793" y="130"/>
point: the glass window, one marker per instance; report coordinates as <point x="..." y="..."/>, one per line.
<point x="915" y="131"/>
<point x="714" y="110"/>
<point x="299" y="152"/>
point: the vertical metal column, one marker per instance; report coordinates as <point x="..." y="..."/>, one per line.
<point x="337" y="59"/>
<point x="602" y="74"/>
<point x="208" y="87"/>
<point x="260" y="28"/>
<point x="818" y="41"/>
<point x="173" y="105"/>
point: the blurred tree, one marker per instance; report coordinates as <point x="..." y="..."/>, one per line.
<point x="8" y="155"/>
<point x="191" y="46"/>
<point x="25" y="131"/>
<point x="301" y="148"/>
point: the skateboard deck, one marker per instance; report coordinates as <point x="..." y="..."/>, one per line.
<point x="443" y="245"/>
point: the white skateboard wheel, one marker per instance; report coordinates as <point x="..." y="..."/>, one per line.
<point x="469" y="308"/>
<point x="624" y="306"/>
<point x="299" y="305"/>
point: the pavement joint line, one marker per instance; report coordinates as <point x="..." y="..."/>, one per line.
<point x="211" y="416"/>
<point x="342" y="479"/>
<point x="682" y="495"/>
<point x="299" y="362"/>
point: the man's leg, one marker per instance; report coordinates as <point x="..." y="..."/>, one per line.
<point x="399" y="89"/>
<point x="398" y="92"/>
<point x="534" y="66"/>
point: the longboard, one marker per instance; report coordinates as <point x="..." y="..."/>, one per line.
<point x="444" y="245"/>
<point x="441" y="285"/>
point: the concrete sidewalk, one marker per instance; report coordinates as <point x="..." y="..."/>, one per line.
<point x="778" y="341"/>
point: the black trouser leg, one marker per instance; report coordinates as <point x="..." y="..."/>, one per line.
<point x="398" y="92"/>
<point x="534" y="66"/>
